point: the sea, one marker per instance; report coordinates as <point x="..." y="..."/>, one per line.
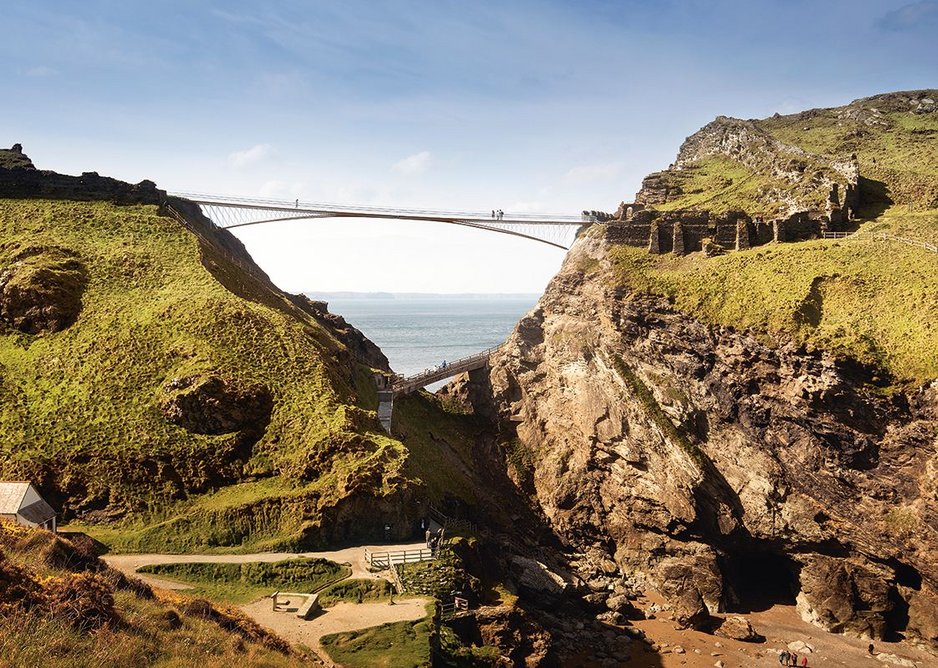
<point x="418" y="331"/>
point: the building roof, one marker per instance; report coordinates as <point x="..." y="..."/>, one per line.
<point x="11" y="497"/>
<point x="37" y="513"/>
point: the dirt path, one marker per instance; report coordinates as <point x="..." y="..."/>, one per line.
<point x="340" y="617"/>
<point x="355" y="556"/>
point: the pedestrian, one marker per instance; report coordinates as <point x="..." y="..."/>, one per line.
<point x="794" y="659"/>
<point x="493" y="214"/>
<point x="296" y="205"/>
<point x="783" y="657"/>
<point x="429" y="536"/>
<point x="870" y="649"/>
<point x="804" y="661"/>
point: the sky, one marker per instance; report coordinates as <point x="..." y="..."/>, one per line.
<point x="526" y="106"/>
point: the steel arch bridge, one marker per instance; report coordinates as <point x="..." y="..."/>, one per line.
<point x="231" y="212"/>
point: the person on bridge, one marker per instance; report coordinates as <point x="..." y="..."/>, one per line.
<point x="493" y="214"/>
<point x="297" y="204"/>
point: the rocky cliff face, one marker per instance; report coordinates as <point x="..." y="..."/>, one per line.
<point x="723" y="469"/>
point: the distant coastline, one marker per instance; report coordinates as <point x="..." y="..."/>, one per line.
<point x="327" y="296"/>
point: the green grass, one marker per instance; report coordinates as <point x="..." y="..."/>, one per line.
<point x="395" y="645"/>
<point x="871" y="301"/>
<point x="80" y="408"/>
<point x="720" y="184"/>
<point x="241" y="583"/>
<point x="902" y="151"/>
<point x="356" y="590"/>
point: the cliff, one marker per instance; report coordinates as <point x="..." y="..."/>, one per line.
<point x="742" y="430"/>
<point x="159" y="388"/>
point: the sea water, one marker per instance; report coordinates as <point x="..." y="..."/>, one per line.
<point x="418" y="333"/>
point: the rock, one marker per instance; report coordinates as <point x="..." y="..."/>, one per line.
<point x="213" y="405"/>
<point x="738" y="628"/>
<point x="845" y="595"/>
<point x="677" y="649"/>
<point x="801" y="647"/>
<point x="673" y="400"/>
<point x="41" y="289"/>
<point x="719" y="664"/>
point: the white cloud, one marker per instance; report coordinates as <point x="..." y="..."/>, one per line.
<point x="249" y="156"/>
<point x="40" y="71"/>
<point x="413" y="164"/>
<point x="598" y="172"/>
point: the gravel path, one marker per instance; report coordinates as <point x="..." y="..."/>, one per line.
<point x="355" y="556"/>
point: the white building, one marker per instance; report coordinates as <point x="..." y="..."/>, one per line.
<point x="20" y="502"/>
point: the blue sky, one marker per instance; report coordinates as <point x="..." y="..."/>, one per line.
<point x="524" y="106"/>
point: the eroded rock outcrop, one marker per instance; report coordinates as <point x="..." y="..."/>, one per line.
<point x="718" y="467"/>
<point x="41" y="289"/>
<point x="213" y="405"/>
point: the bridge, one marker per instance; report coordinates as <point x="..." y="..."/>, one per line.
<point x="396" y="385"/>
<point x="555" y="230"/>
<point x="232" y="212"/>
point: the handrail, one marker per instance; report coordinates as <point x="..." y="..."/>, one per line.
<point x="885" y="236"/>
<point x="451" y="369"/>
<point x="300" y="207"/>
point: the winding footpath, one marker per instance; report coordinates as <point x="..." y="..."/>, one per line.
<point x="334" y="619"/>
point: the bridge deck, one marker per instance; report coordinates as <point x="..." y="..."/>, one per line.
<point x="231" y="212"/>
<point x="430" y="376"/>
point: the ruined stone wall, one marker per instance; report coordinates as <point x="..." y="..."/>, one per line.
<point x="40" y="184"/>
<point x="684" y="231"/>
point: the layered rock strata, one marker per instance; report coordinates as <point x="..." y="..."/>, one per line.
<point x="723" y="472"/>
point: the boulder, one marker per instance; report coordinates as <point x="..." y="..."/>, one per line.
<point x="845" y="595"/>
<point x="738" y="628"/>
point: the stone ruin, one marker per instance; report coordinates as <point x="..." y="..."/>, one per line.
<point x="682" y="231"/>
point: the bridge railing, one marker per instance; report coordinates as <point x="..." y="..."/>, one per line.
<point x="428" y="376"/>
<point x="300" y="206"/>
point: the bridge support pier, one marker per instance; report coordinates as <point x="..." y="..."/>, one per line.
<point x="385" y="400"/>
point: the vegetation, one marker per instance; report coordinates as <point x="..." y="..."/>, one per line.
<point x="396" y="645"/>
<point x="872" y="301"/>
<point x="894" y="147"/>
<point x="356" y="591"/>
<point x="82" y="410"/>
<point x="719" y="184"/>
<point x="61" y="607"/>
<point x="243" y="582"/>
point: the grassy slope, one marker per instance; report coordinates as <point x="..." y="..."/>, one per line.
<point x="242" y="583"/>
<point x="719" y="184"/>
<point x="839" y="295"/>
<point x="396" y="645"/>
<point x="873" y="301"/>
<point x="900" y="150"/>
<point x="160" y="631"/>
<point x="80" y="407"/>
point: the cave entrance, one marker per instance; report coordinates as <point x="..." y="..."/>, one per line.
<point x="756" y="580"/>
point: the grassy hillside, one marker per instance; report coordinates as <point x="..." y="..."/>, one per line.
<point x="894" y="145"/>
<point x="894" y="138"/>
<point x="873" y="301"/>
<point x="61" y="607"/>
<point x="117" y="411"/>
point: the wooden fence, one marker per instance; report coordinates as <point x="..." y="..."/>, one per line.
<point x="385" y="560"/>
